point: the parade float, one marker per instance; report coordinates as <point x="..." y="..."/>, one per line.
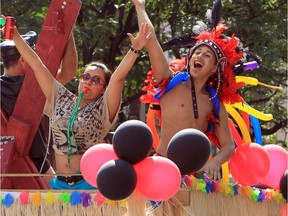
<point x="130" y="180"/>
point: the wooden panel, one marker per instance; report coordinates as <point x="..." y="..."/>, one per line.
<point x="4" y="122"/>
<point x="23" y="164"/>
<point x="21" y="132"/>
<point x="7" y="145"/>
<point x="50" y="48"/>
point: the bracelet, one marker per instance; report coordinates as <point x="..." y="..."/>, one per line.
<point x="138" y="52"/>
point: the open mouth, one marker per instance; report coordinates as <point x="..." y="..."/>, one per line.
<point x="197" y="65"/>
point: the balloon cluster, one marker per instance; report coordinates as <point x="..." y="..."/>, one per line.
<point x="254" y="164"/>
<point x="110" y="167"/>
<point x="119" y="169"/>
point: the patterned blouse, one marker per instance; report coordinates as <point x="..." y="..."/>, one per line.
<point x="90" y="126"/>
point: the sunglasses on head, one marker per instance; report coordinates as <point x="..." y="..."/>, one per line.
<point x="94" y="79"/>
<point x="98" y="65"/>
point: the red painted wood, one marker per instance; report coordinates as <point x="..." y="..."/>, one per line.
<point x="26" y="116"/>
<point x="21" y="130"/>
<point x="4" y="122"/>
<point x="7" y="144"/>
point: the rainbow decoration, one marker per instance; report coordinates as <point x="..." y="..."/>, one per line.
<point x="217" y="195"/>
<point x="230" y="189"/>
<point x="85" y="199"/>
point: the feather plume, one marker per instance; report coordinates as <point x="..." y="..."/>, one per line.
<point x="199" y="27"/>
<point x="214" y="15"/>
<point x="186" y="40"/>
<point x="237" y="71"/>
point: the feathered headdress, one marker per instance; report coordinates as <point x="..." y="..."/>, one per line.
<point x="227" y="55"/>
<point x="225" y="49"/>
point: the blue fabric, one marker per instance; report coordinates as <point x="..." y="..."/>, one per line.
<point x="216" y="107"/>
<point x="155" y="204"/>
<point x="183" y="184"/>
<point x="215" y="100"/>
<point x="56" y="184"/>
<point x="179" y="77"/>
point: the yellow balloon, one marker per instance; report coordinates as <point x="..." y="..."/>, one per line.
<point x="225" y="172"/>
<point x="254" y="82"/>
<point x="247" y="80"/>
<point x="240" y="122"/>
<point x="245" y="133"/>
<point x="253" y="112"/>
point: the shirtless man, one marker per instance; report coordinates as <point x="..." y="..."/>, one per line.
<point x="178" y="109"/>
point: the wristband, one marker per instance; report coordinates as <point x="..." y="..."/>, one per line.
<point x="138" y="52"/>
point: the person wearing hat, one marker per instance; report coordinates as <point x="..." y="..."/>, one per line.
<point x="11" y="83"/>
<point x="205" y="81"/>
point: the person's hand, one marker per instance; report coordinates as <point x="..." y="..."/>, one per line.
<point x="212" y="170"/>
<point x="141" y="39"/>
<point x="2" y="28"/>
<point x="3" y="16"/>
<point x="139" y="2"/>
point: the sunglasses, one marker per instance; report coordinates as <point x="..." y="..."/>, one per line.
<point x="94" y="79"/>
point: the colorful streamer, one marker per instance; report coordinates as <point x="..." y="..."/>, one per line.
<point x="252" y="111"/>
<point x="246" y="119"/>
<point x="256" y="129"/>
<point x="236" y="136"/>
<point x="240" y="122"/>
<point x="254" y="82"/>
<point x="248" y="66"/>
<point x="151" y="124"/>
<point x="225" y="173"/>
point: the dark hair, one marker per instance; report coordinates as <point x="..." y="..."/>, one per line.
<point x="9" y="53"/>
<point x="102" y="66"/>
<point x="10" y="62"/>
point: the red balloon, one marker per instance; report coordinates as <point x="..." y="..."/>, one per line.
<point x="93" y="159"/>
<point x="278" y="165"/>
<point x="158" y="178"/>
<point x="249" y="164"/>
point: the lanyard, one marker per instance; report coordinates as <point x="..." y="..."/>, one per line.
<point x="194" y="100"/>
<point x="71" y="131"/>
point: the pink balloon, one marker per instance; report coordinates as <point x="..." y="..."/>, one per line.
<point x="158" y="178"/>
<point x="249" y="164"/>
<point x="93" y="159"/>
<point x="278" y="165"/>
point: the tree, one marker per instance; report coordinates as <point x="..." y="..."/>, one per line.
<point x="102" y="27"/>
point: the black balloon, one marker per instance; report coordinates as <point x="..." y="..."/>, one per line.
<point x="189" y="149"/>
<point x="116" y="179"/>
<point x="283" y="184"/>
<point x="132" y="141"/>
